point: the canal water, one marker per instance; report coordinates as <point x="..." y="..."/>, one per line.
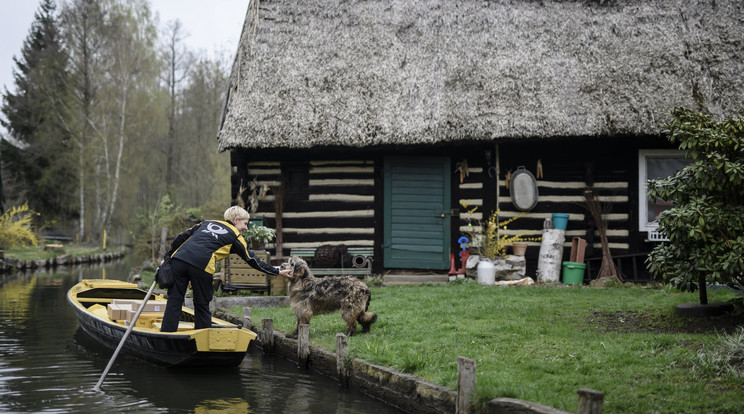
<point x="49" y="364"/>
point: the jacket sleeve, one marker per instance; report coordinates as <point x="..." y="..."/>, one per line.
<point x="241" y="249"/>
<point x="178" y="240"/>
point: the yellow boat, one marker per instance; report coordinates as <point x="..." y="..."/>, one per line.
<point x="105" y="308"/>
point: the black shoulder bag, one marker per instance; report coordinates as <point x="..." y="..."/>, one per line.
<point x="164" y="275"/>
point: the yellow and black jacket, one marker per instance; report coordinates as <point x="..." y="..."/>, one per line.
<point x="211" y="240"/>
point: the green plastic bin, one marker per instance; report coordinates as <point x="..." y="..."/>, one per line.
<point x="573" y="273"/>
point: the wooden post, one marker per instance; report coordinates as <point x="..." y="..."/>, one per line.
<point x="551" y="255"/>
<point x="342" y="353"/>
<point x="267" y="335"/>
<point x="303" y="343"/>
<point x="590" y="401"/>
<point x="247" y="319"/>
<point x="465" y="385"/>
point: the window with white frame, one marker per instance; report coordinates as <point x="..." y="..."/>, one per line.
<point x="655" y="164"/>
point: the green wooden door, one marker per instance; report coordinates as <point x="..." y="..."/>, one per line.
<point x="417" y="212"/>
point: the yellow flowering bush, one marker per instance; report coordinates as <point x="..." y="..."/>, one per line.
<point x="16" y="227"/>
<point x="489" y="237"/>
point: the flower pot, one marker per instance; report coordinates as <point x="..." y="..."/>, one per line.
<point x="519" y="248"/>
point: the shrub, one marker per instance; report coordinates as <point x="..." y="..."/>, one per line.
<point x="259" y="234"/>
<point x="16" y="227"/>
<point x="705" y="227"/>
<point x="490" y="239"/>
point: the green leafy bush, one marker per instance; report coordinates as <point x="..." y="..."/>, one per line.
<point x="259" y="234"/>
<point x="705" y="227"/>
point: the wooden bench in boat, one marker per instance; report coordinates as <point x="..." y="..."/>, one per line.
<point x="360" y="254"/>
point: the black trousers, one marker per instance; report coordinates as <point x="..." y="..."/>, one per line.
<point x="201" y="283"/>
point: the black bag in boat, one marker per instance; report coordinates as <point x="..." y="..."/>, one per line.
<point x="164" y="275"/>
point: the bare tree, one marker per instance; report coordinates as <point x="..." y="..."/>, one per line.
<point x="177" y="61"/>
<point x="131" y="64"/>
<point x="84" y="32"/>
<point x="200" y="166"/>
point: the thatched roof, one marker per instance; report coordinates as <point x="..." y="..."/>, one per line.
<point x="371" y="72"/>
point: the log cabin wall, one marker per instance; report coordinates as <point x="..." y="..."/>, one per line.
<point x="474" y="196"/>
<point x="340" y="204"/>
<point x="569" y="167"/>
<point x="327" y="202"/>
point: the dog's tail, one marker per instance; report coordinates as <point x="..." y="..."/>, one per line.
<point x="366" y="319"/>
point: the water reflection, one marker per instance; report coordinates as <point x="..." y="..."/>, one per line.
<point x="223" y="406"/>
<point x="47" y="363"/>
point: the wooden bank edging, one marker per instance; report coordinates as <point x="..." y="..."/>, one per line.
<point x="407" y="392"/>
<point x="404" y="391"/>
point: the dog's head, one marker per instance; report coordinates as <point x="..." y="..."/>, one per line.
<point x="299" y="268"/>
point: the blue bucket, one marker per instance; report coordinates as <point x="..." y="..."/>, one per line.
<point x="560" y="221"/>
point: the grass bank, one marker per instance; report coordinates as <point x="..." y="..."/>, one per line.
<point x="542" y="343"/>
<point x="38" y="252"/>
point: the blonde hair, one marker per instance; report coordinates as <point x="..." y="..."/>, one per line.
<point x="236" y="213"/>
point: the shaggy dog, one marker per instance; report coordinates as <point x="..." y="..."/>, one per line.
<point x="309" y="295"/>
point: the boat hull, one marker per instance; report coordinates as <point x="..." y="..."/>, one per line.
<point x="196" y="347"/>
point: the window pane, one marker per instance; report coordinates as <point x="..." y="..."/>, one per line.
<point x="661" y="167"/>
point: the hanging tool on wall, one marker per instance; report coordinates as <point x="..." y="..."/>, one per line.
<point x="539" y="170"/>
<point x="239" y="196"/>
<point x="462" y="168"/>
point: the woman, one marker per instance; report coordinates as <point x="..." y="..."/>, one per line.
<point x="193" y="255"/>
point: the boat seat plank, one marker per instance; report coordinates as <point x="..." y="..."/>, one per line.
<point x="182" y="326"/>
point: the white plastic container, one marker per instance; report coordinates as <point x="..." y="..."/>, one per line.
<point x="486" y="272"/>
